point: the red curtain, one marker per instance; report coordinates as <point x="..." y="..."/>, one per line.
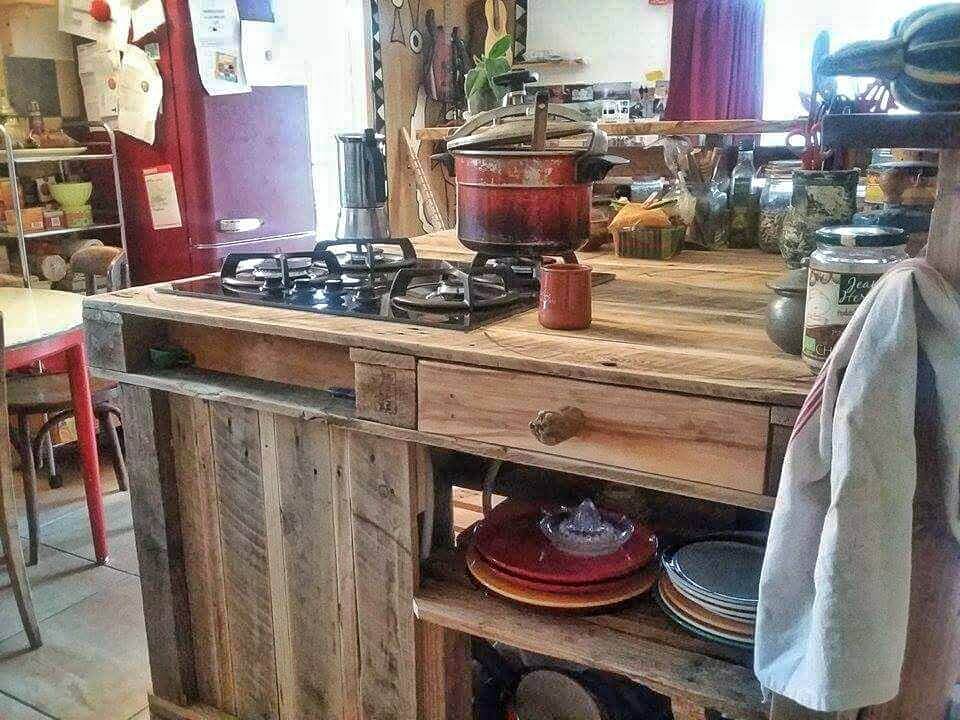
<point x="716" y="60"/>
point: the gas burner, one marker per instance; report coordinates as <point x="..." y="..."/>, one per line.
<point x="259" y="273"/>
<point x="370" y="256"/>
<point x="527" y="270"/>
<point x="454" y="289"/>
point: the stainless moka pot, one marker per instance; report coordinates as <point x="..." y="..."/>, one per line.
<point x="363" y="187"/>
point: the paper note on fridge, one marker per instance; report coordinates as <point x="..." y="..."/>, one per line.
<point x="146" y="17"/>
<point x="75" y="18"/>
<point x="268" y="55"/>
<point x="162" y="196"/>
<point x="216" y="35"/>
<point x="141" y="91"/>
<point x="99" y="69"/>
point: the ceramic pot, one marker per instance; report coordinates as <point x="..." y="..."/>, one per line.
<point x="786" y="309"/>
<point x="565" y="296"/>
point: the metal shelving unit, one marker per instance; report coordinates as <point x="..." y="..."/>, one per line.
<point x="12" y="159"/>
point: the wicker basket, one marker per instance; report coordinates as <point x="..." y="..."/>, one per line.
<point x="650" y="243"/>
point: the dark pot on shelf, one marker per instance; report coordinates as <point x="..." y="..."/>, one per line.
<point x="786" y="310"/>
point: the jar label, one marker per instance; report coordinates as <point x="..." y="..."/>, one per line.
<point x="832" y="299"/>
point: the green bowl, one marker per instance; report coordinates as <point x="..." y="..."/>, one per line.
<point x="72" y="194"/>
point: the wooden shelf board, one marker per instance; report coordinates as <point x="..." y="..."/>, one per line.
<point x="874" y="130"/>
<point x="666" y="127"/>
<point x="638" y="642"/>
<point x="558" y="62"/>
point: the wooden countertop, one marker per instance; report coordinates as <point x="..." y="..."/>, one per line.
<point x="692" y="325"/>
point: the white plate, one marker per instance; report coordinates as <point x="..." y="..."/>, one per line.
<point x="44" y="152"/>
<point x="721" y="569"/>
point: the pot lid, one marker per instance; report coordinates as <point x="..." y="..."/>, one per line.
<point x="861" y="236"/>
<point x="516" y="132"/>
<point x="793" y="281"/>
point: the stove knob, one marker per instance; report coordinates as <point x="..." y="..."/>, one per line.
<point x="303" y="286"/>
<point x="333" y="286"/>
<point x="272" y="285"/>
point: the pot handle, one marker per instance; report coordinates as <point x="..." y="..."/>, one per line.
<point x="446" y="160"/>
<point x="592" y="168"/>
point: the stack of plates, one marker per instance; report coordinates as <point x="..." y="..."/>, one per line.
<point x="711" y="588"/>
<point x="511" y="556"/>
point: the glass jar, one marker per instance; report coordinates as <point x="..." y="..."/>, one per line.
<point x="707" y="230"/>
<point x="848" y="262"/>
<point x="775" y="202"/>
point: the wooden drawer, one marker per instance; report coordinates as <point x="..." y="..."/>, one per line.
<point x="717" y="442"/>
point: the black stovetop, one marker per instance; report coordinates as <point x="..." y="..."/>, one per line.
<point x="385" y="281"/>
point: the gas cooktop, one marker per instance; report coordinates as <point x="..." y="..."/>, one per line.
<point x="377" y="281"/>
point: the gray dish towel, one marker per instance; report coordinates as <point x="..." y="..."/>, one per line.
<point x="835" y="586"/>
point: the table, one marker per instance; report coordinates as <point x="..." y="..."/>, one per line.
<point x="42" y="323"/>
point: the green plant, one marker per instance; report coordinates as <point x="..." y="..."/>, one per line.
<point x="482" y="92"/>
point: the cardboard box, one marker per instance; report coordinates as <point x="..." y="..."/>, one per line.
<point x="6" y="194"/>
<point x="32" y="219"/>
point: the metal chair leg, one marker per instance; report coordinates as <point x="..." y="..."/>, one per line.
<point x="30" y="490"/>
<point x="116" y="452"/>
<point x="54" y="480"/>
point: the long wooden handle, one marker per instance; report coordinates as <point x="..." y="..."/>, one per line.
<point x="431" y="209"/>
<point x="539" y="140"/>
<point x="552" y="427"/>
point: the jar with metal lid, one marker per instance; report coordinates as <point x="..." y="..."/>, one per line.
<point x="775" y="202"/>
<point x="847" y="263"/>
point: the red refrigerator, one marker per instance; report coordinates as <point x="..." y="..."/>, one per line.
<point x="241" y="166"/>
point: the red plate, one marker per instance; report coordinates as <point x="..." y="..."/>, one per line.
<point x="510" y="540"/>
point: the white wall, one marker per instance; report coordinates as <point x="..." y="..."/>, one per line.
<point x="624" y="39"/>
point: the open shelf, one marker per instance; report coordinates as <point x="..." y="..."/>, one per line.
<point x="27" y="159"/>
<point x="637" y="641"/>
<point x="666" y="127"/>
<point x="61" y="231"/>
<point x="877" y="130"/>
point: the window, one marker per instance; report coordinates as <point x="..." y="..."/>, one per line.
<point x="329" y="36"/>
<point x="788" y="43"/>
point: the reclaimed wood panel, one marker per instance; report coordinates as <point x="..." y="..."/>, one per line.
<point x="346" y="574"/>
<point x="306" y="510"/>
<point x="156" y="522"/>
<point x="654" y="432"/>
<point x="444" y="673"/>
<point x="243" y="538"/>
<point x="203" y="558"/>
<point x="691" y="325"/>
<point x="382" y="474"/>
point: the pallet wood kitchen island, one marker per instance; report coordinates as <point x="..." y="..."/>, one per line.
<point x="278" y="524"/>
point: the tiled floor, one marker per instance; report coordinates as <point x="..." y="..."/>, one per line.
<point x="93" y="663"/>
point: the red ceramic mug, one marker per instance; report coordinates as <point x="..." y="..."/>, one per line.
<point x="565" y="296"/>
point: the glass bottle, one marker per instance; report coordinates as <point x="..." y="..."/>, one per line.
<point x="35" y="119"/>
<point x="744" y="200"/>
<point x="775" y="202"/>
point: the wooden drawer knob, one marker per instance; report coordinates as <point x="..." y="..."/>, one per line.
<point x="552" y="427"/>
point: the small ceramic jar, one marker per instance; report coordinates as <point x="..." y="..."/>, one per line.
<point x="786" y="310"/>
<point x="565" y="296"/>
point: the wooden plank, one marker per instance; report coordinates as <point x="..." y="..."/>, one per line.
<point x="653" y="432"/>
<point x="200" y="528"/>
<point x="444" y="674"/>
<point x="156" y="509"/>
<point x="287" y="689"/>
<point x="928" y="130"/>
<point x="238" y="472"/>
<point x="382" y="476"/>
<point x="161" y="709"/>
<point x="685" y="710"/>
<point x="267" y="357"/>
<point x="943" y="245"/>
<point x="642" y="645"/>
<point x="386" y="395"/>
<point x="346" y="573"/>
<point x="668" y="127"/>
<point x="375" y="357"/>
<point x="306" y="508"/>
